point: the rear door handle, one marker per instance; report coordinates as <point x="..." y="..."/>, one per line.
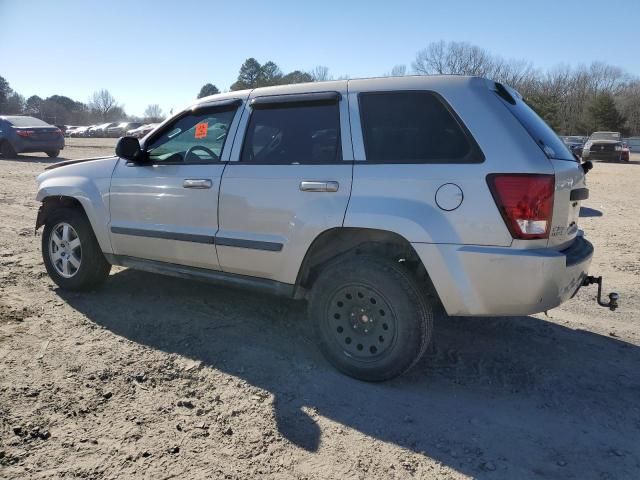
<point x="313" y="186"/>
<point x="202" y="183"/>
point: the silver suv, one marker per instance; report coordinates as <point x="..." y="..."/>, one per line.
<point x="376" y="200"/>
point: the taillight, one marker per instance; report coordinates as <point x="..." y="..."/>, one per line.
<point x="59" y="132"/>
<point x="525" y="202"/>
<point x="25" y="133"/>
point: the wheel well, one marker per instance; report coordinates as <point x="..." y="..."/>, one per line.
<point x="357" y="241"/>
<point x="49" y="204"/>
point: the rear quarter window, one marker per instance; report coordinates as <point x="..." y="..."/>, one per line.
<point x="414" y="127"/>
<point x="542" y="134"/>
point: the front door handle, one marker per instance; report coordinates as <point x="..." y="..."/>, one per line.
<point x="202" y="183"/>
<point x="313" y="186"/>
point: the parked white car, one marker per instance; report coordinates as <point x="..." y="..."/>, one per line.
<point x="142" y="130"/>
<point x="375" y="200"/>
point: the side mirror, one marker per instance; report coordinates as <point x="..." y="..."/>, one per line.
<point x="129" y="149"/>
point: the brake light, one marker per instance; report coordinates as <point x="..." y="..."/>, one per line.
<point x="59" y="132"/>
<point x="25" y="133"/>
<point x="525" y="202"/>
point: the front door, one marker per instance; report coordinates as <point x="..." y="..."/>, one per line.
<point x="288" y="180"/>
<point x="166" y="208"/>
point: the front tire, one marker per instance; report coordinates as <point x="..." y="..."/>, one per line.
<point x="71" y="252"/>
<point x="53" y="153"/>
<point x="372" y="320"/>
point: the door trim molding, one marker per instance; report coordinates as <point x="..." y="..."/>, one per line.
<point x="251" y="244"/>
<point x="195" y="238"/>
<point x="183" y="237"/>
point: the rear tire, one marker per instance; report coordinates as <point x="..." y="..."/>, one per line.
<point x="372" y="320"/>
<point x="53" y="153"/>
<point x="7" y="150"/>
<point x="71" y="253"/>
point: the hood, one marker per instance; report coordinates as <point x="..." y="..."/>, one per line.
<point x="90" y="168"/>
<point x="73" y="162"/>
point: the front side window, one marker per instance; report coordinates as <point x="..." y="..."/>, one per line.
<point x="195" y="138"/>
<point x="413" y="127"/>
<point x="302" y="133"/>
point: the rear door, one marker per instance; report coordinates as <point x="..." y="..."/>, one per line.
<point x="167" y="209"/>
<point x="288" y="180"/>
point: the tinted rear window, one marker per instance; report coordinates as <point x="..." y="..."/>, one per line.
<point x="544" y="136"/>
<point x="26" y="122"/>
<point x="615" y="136"/>
<point x="413" y="127"/>
<point x="293" y="133"/>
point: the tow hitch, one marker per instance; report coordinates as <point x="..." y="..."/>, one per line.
<point x="613" y="297"/>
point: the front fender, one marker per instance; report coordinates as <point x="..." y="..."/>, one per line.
<point x="89" y="185"/>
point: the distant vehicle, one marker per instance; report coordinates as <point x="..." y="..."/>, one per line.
<point x="101" y="130"/>
<point x="142" y="130"/>
<point x="71" y="130"/>
<point x="575" y="143"/>
<point x="20" y="134"/>
<point x="633" y="143"/>
<point x="78" y="131"/>
<point x="121" y="129"/>
<point x="605" y="146"/>
<point x="91" y="130"/>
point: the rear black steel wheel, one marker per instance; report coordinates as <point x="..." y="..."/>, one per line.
<point x="372" y="320"/>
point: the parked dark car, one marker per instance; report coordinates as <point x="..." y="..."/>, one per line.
<point x="605" y="146"/>
<point x="575" y="143"/>
<point x="20" y="134"/>
<point x="121" y="129"/>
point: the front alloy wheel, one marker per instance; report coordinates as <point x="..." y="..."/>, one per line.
<point x="71" y="252"/>
<point x="65" y="250"/>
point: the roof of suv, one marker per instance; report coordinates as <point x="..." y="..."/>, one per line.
<point x="409" y="82"/>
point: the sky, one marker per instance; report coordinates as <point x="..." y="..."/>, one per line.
<point x="163" y="51"/>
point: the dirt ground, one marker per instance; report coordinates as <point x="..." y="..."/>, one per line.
<point x="154" y="377"/>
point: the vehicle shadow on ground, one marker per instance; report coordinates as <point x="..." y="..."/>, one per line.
<point x="497" y="397"/>
<point x="630" y="162"/>
<point x="34" y="159"/>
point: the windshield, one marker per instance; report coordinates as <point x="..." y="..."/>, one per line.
<point x="605" y="136"/>
<point x="26" y="122"/>
<point x="574" y="139"/>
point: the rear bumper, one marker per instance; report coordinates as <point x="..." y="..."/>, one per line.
<point x="606" y="156"/>
<point x="492" y="281"/>
<point x="25" y="145"/>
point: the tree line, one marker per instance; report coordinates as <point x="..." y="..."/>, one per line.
<point x="572" y="99"/>
<point x="61" y="110"/>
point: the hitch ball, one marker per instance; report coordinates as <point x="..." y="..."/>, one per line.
<point x="613" y="301"/>
<point x="613" y="297"/>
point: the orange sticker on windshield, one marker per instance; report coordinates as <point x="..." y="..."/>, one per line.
<point x="201" y="129"/>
